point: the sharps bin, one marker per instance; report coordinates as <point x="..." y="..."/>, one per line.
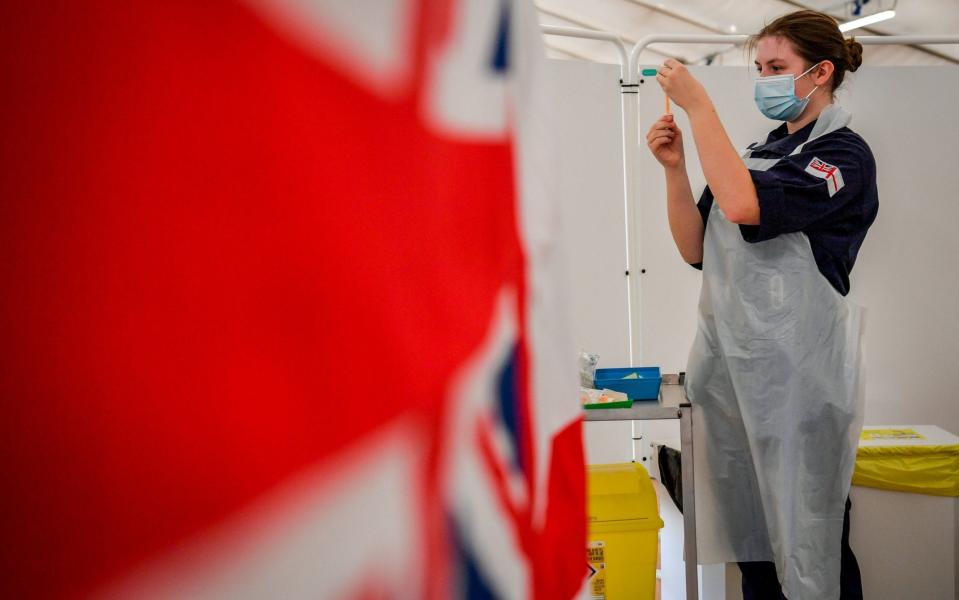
<point x="624" y="529"/>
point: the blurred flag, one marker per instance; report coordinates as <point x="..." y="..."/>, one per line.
<point x="281" y="305"/>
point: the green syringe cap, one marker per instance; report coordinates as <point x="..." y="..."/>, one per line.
<point x="649" y="72"/>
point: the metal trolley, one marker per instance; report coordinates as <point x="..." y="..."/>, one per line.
<point x="672" y="404"/>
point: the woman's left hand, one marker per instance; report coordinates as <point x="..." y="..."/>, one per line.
<point x="680" y="85"/>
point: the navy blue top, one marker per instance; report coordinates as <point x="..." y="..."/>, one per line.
<point x="827" y="191"/>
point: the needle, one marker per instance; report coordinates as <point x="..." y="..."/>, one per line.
<point x="652" y="73"/>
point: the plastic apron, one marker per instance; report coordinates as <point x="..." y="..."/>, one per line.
<point x="774" y="377"/>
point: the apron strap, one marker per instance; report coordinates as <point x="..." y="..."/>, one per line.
<point x="831" y="118"/>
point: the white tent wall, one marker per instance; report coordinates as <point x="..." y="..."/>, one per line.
<point x="905" y="274"/>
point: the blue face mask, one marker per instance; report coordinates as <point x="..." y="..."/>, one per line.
<point x="776" y="96"/>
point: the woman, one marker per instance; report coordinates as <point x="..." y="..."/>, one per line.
<point x="774" y="372"/>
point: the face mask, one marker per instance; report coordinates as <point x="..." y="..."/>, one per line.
<point x="776" y="96"/>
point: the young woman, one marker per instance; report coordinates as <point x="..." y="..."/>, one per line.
<point x="774" y="372"/>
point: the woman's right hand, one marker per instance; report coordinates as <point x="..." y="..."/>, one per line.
<point x="665" y="141"/>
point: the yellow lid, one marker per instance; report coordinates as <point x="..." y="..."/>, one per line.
<point x="622" y="498"/>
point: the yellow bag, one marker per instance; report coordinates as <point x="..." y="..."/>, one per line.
<point x="922" y="459"/>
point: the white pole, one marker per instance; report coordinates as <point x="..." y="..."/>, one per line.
<point x="630" y="98"/>
<point x="679" y="38"/>
<point x="592" y="35"/>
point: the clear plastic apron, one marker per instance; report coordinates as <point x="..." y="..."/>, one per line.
<point x="774" y="377"/>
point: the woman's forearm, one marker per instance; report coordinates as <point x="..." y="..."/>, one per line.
<point x="725" y="172"/>
<point x="685" y="222"/>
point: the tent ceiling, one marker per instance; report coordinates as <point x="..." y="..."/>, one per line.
<point x="634" y="19"/>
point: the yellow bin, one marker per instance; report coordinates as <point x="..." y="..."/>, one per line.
<point x="624" y="529"/>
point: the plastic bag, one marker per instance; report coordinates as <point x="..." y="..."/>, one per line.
<point x="671" y="473"/>
<point x="587" y="369"/>
<point x="603" y="396"/>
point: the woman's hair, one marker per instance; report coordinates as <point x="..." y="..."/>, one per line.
<point x="816" y="37"/>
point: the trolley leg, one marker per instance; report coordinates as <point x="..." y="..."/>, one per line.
<point x="689" y="502"/>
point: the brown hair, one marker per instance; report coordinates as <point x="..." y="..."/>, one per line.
<point x="816" y="37"/>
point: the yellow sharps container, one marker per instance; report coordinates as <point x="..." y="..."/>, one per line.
<point x="624" y="529"/>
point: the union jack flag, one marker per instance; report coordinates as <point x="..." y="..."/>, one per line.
<point x="281" y="311"/>
<point x="830" y="173"/>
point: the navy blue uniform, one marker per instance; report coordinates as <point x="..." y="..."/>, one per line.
<point x="827" y="191"/>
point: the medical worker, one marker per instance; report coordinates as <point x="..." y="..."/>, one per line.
<point x="774" y="372"/>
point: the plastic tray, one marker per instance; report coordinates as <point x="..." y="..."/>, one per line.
<point x="644" y="387"/>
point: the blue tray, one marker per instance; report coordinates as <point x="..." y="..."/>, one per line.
<point x="644" y="387"/>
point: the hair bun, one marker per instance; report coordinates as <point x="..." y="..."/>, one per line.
<point x="853" y="54"/>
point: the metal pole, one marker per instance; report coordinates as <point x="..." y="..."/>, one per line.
<point x="689" y="501"/>
<point x="631" y="190"/>
<point x="631" y="207"/>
